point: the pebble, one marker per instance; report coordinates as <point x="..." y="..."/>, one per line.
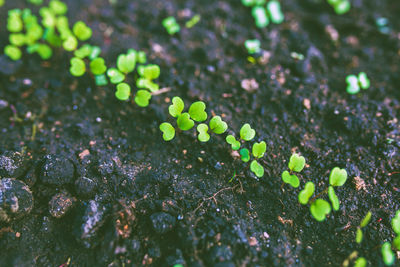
<point x="16" y="199"/>
<point x="12" y="164"/>
<point x="162" y="222"/>
<point x="57" y="170"/>
<point x="60" y="204"/>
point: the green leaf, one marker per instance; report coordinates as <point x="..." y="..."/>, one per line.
<point x="100" y="80"/>
<point x="171" y="25"/>
<point x="78" y="67"/>
<point x="252" y="46"/>
<point x="230" y="139"/>
<point x="256" y="168"/>
<point x="319" y="209"/>
<point x="97" y="66"/>
<point x="58" y="7"/>
<point x="197" y="111"/>
<point x="342" y="7"/>
<point x="337" y="177"/>
<point x="17" y="39"/>
<point x="177" y="106"/>
<point x="259" y="14"/>
<point x="96" y="51"/>
<point x="14" y="21"/>
<point x="82" y="31"/>
<point x="12" y="52"/>
<point x="70" y="44"/>
<point x="142" y="98"/>
<point x="141" y="57"/>
<point x="296" y="162"/>
<point x="291" y="179"/>
<point x="150" y="72"/>
<point x="217" y="125"/>
<point x="360" y="262"/>
<point x="333" y="198"/>
<point x="359" y="235"/>
<point x="115" y="75"/>
<point x="247" y="133"/>
<point x="396" y="223"/>
<point x="123" y="91"/>
<point x="275" y="13"/>
<point x="396" y="242"/>
<point x="44" y="51"/>
<point x="387" y="254"/>
<point x="184" y="122"/>
<point x="366" y="219"/>
<point x="168" y="131"/>
<point x="203" y="135"/>
<point x="259" y="149"/>
<point x="352" y="84"/>
<point x="144" y="83"/>
<point x="126" y="63"/>
<point x="363" y="80"/>
<point x="83" y="51"/>
<point x="306" y="193"/>
<point x="245" y="154"/>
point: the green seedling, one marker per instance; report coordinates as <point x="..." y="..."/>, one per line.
<point x="97" y="66"/>
<point x="306" y="193"/>
<point x="193" y="21"/>
<point x="149" y="72"/>
<point x="364" y="222"/>
<point x="177" y="107"/>
<point x="168" y="131"/>
<point x="70" y="44"/>
<point x="115" y="75"/>
<point x="126" y="63"/>
<point x="142" y="98"/>
<point x="13" y="52"/>
<point x="141" y="57"/>
<point x="387" y="254"/>
<point x="203" y="135"/>
<point x="81" y="31"/>
<point x="319" y="209"/>
<point x="340" y="6"/>
<point x="171" y="25"/>
<point x="360" y="262"/>
<point x="197" y="111"/>
<point x="247" y="133"/>
<point x="291" y="179"/>
<point x="58" y="7"/>
<point x="245" y="154"/>
<point x="354" y="83"/>
<point x="100" y="80"/>
<point x="230" y="139"/>
<point x="259" y="149"/>
<point x="217" y="125"/>
<point x="43" y="50"/>
<point x="14" y="21"/>
<point x="337" y="177"/>
<point x="333" y="198"/>
<point x="252" y="46"/>
<point x="123" y="91"/>
<point x="17" y="39"/>
<point x="184" y="122"/>
<point x="296" y="162"/>
<point x="274" y="11"/>
<point x="259" y="14"/>
<point x="78" y="67"/>
<point x="144" y="83"/>
<point x="96" y="51"/>
<point x="257" y="169"/>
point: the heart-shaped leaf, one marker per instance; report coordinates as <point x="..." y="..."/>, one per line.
<point x="126" y="63"/>
<point x="367" y="218"/>
<point x="352" y="84"/>
<point x="359" y="235"/>
<point x="168" y="131"/>
<point x="291" y="179"/>
<point x="260" y="16"/>
<point x="203" y="135"/>
<point x="123" y="91"/>
<point x="230" y="139"/>
<point x="363" y="80"/>
<point x="396" y="223"/>
<point x="274" y="11"/>
<point x="256" y="168"/>
<point x="70" y="43"/>
<point x="100" y="80"/>
<point x="296" y="162"/>
<point x="333" y="198"/>
<point x="247" y="133"/>
<point x="14" y="52"/>
<point x="115" y="75"/>
<point x="142" y="98"/>
<point x="306" y="193"/>
<point x="97" y="66"/>
<point x="245" y="154"/>
<point x="259" y="149"/>
<point x="184" y="122"/>
<point x="337" y="177"/>
<point x="197" y="111"/>
<point x="360" y="262"/>
<point x="319" y="209"/>
<point x="149" y="72"/>
<point x="177" y="106"/>
<point x="387" y="254"/>
<point x="83" y="51"/>
<point x="78" y="67"/>
<point x="82" y="31"/>
<point x="217" y="125"/>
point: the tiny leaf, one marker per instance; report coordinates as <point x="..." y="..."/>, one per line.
<point x="115" y="75"/>
<point x="177" y="106"/>
<point x="387" y="253"/>
<point x="306" y="193"/>
<point x="230" y="139"/>
<point x="360" y="262"/>
<point x="203" y="135"/>
<point x="366" y="219"/>
<point x="333" y="198"/>
<point x="78" y="67"/>
<point x="126" y="63"/>
<point x="197" y="111"/>
<point x="247" y="133"/>
<point x="184" y="122"/>
<point x="257" y="168"/>
<point x="217" y="125"/>
<point x="259" y="149"/>
<point x="97" y="66"/>
<point x="396" y="223"/>
<point x="319" y="209"/>
<point x="142" y="98"/>
<point x="81" y="31"/>
<point x="291" y="179"/>
<point x="245" y="154"/>
<point x="359" y="235"/>
<point x="168" y="131"/>
<point x="337" y="177"/>
<point x="296" y="162"/>
<point x="123" y="91"/>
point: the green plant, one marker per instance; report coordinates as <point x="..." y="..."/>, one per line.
<point x="81" y="31"/>
<point x="171" y="25"/>
<point x="364" y="222"/>
<point x="13" y="52"/>
<point x="193" y="21"/>
<point x="354" y="83"/>
<point x="340" y="6"/>
<point x="123" y="91"/>
<point x="296" y="165"/>
<point x="97" y="66"/>
<point x="387" y="253"/>
<point x="252" y="46"/>
<point x="78" y="67"/>
<point x="264" y="14"/>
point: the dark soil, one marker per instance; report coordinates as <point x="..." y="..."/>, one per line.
<point x="108" y="191"/>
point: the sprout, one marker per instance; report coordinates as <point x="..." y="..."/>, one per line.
<point x="260" y="16"/>
<point x="259" y="149"/>
<point x="58" y="7"/>
<point x="14" y="21"/>
<point x="274" y="11"/>
<point x="17" y="39"/>
<point x="197" y="111"/>
<point x="354" y="83"/>
<point x="333" y="198"/>
<point x="203" y="135"/>
<point x="96" y="51"/>
<point x="83" y="51"/>
<point x="184" y="122"/>
<point x="149" y="72"/>
<point x="306" y="193"/>
<point x="366" y="219"/>
<point x="359" y="235"/>
<point x="141" y="57"/>
<point x="100" y="80"/>
<point x="13" y="52"/>
<point x="78" y="67"/>
<point x="252" y="46"/>
<point x="142" y="98"/>
<point x="177" y="107"/>
<point x="97" y="66"/>
<point x="123" y="91"/>
<point x="387" y="254"/>
<point x="296" y="162"/>
<point x="70" y="43"/>
<point x="291" y="179"/>
<point x="217" y="125"/>
<point x="193" y="21"/>
<point x="337" y="177"/>
<point x="171" y="25"/>
<point x="245" y="154"/>
<point x="256" y="168"/>
<point x="396" y="242"/>
<point x="247" y="133"/>
<point x="319" y="209"/>
<point x="126" y="63"/>
<point x="168" y="131"/>
<point x="396" y="223"/>
<point x="360" y="262"/>
<point x="115" y="75"/>
<point x="340" y="6"/>
<point x="81" y="31"/>
<point x="43" y="50"/>
<point x="230" y="139"/>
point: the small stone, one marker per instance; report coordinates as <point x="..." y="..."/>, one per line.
<point x="85" y="187"/>
<point x="220" y="254"/>
<point x="12" y="164"/>
<point x="16" y="199"/>
<point x="57" y="170"/>
<point x="60" y="204"/>
<point x="250" y="85"/>
<point x="162" y="222"/>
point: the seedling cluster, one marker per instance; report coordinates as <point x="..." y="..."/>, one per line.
<point x="355" y="83"/>
<point x="340" y="6"/>
<point x="264" y="12"/>
<point x="172" y="27"/>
